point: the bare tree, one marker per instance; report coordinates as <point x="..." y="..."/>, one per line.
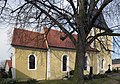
<point x="2" y="64"/>
<point x="70" y="16"/>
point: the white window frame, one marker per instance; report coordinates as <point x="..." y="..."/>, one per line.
<point x="67" y="63"/>
<point x="35" y="62"/>
<point x="87" y="62"/>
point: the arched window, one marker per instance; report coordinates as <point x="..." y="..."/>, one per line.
<point x="102" y="64"/>
<point x="64" y="63"/>
<point x="85" y="63"/>
<point x="31" y="62"/>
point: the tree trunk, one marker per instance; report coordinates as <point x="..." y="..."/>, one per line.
<point x="79" y="63"/>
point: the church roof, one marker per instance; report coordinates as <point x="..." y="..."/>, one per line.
<point x="101" y="23"/>
<point x="32" y="39"/>
<point x="27" y="38"/>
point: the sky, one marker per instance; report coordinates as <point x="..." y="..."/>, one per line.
<point x="5" y="41"/>
<point x="4" y="44"/>
<point x="5" y="29"/>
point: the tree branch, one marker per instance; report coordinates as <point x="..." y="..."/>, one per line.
<point x="3" y="6"/>
<point x="99" y="11"/>
<point x="56" y="22"/>
<point x="103" y="45"/>
<point x="18" y="8"/>
<point x="101" y="34"/>
<point x="73" y="6"/>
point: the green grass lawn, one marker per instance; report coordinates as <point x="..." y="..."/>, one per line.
<point x="56" y="82"/>
<point x="103" y="81"/>
<point x="48" y="82"/>
<point x="93" y="81"/>
<point x="110" y="79"/>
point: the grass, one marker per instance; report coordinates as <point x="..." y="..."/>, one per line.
<point x="103" y="81"/>
<point x="111" y="79"/>
<point x="48" y="82"/>
<point x="93" y="81"/>
<point x="56" y="82"/>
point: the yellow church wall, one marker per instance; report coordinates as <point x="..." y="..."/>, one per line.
<point x="101" y="41"/>
<point x="56" y="62"/>
<point x="22" y="72"/>
<point x="95" y="63"/>
<point x="105" y="53"/>
<point x="21" y="58"/>
<point x="107" y="60"/>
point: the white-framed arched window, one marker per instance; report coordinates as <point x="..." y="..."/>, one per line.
<point x="85" y="63"/>
<point x="32" y="62"/>
<point x="65" y="63"/>
<point x="102" y="63"/>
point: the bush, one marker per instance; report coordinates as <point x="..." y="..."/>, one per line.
<point x="4" y="74"/>
<point x="86" y="77"/>
<point x="72" y="72"/>
<point x="12" y="82"/>
<point x="32" y="81"/>
<point x="99" y="76"/>
<point x="7" y="81"/>
<point x="109" y="71"/>
<point x="10" y="73"/>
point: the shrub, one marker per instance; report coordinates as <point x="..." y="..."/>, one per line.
<point x="86" y="77"/>
<point x="7" y="81"/>
<point x="32" y="81"/>
<point x="12" y="82"/>
<point x="99" y="76"/>
<point x="10" y="73"/>
<point x="72" y="72"/>
<point x="4" y="74"/>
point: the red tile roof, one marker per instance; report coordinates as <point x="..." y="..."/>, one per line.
<point x="54" y="40"/>
<point x="9" y="62"/>
<point x="28" y="39"/>
<point x="36" y="40"/>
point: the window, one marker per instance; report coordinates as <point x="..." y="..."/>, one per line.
<point x="64" y="63"/>
<point x="31" y="62"/>
<point x="102" y="64"/>
<point x="85" y="63"/>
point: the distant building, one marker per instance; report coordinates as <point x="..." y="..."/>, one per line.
<point x="116" y="64"/>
